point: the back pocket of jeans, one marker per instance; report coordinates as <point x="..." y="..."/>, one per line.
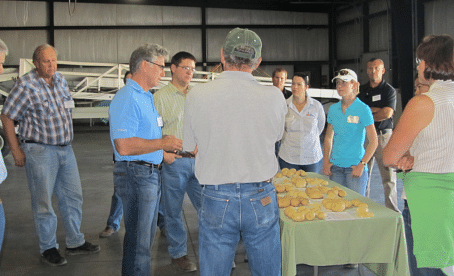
<point x="265" y="208"/>
<point x="213" y="211"/>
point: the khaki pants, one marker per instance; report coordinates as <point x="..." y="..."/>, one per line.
<point x="388" y="175"/>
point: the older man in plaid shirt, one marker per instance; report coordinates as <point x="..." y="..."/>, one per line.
<point x="41" y="102"/>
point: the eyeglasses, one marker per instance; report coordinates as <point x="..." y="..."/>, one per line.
<point x="189" y="69"/>
<point x="418" y="61"/>
<point x="160" y="66"/>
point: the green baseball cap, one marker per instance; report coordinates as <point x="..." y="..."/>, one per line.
<point x="243" y="37"/>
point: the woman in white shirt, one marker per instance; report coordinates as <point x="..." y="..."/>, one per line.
<point x="304" y="122"/>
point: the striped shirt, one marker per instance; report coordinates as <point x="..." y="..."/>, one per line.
<point x="3" y="172"/>
<point x="40" y="109"/>
<point x="433" y="148"/>
<point x="169" y="102"/>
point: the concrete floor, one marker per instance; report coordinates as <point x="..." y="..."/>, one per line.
<point x="20" y="252"/>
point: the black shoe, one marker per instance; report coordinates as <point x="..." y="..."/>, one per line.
<point x="84" y="249"/>
<point x="52" y="257"/>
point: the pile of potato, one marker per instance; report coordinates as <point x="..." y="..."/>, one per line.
<point x="297" y="202"/>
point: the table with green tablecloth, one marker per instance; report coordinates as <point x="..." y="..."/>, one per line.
<point x="378" y="242"/>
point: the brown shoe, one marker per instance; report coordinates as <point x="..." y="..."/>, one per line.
<point x="184" y="264"/>
<point x="109" y="231"/>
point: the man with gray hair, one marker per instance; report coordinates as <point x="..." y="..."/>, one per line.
<point x="139" y="148"/>
<point x="234" y="122"/>
<point x="3" y="54"/>
<point x="42" y="104"/>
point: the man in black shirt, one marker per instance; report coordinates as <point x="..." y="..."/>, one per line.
<point x="381" y="98"/>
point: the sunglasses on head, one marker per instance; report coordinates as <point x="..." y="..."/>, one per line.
<point x="341" y="73"/>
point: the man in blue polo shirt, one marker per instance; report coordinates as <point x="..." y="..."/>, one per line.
<point x="135" y="133"/>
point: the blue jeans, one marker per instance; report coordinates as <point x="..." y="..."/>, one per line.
<point x="139" y="189"/>
<point x="53" y="169"/>
<point x="2" y="225"/>
<point x="116" y="212"/>
<point x="316" y="167"/>
<point x="414" y="271"/>
<point x="233" y="211"/>
<point x="178" y="178"/>
<point x="344" y="177"/>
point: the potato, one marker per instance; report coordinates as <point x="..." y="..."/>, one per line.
<point x="283" y="202"/>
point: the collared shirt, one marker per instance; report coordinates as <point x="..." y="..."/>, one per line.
<point x="287" y="93"/>
<point x="234" y="121"/>
<point x="301" y="142"/>
<point x="132" y="114"/>
<point x="43" y="112"/>
<point x="169" y="102"/>
<point x="349" y="132"/>
<point x="3" y="172"/>
<point x="384" y="95"/>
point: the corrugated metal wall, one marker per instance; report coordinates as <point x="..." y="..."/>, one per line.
<point x="78" y="38"/>
<point x="439" y="17"/>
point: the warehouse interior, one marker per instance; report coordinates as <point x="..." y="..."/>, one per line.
<point x="316" y="37"/>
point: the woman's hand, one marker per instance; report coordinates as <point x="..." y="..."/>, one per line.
<point x="327" y="168"/>
<point x="357" y="170"/>
<point x="406" y="162"/>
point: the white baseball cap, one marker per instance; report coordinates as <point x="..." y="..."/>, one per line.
<point x="345" y="75"/>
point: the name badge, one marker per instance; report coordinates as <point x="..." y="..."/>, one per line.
<point x="69" y="104"/>
<point x="352" y="119"/>
<point x="376" y="98"/>
<point x="160" y="121"/>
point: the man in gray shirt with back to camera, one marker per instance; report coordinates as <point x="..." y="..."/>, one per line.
<point x="235" y="121"/>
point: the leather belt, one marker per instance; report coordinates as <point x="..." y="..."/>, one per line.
<point x="34" y="142"/>
<point x="147" y="164"/>
<point x="384" y="131"/>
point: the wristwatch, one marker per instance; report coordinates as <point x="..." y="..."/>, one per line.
<point x="362" y="162"/>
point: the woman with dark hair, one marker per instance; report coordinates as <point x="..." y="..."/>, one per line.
<point x="304" y="122"/>
<point x="423" y="142"/>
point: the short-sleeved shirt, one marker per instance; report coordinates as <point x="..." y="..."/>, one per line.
<point x="43" y="112"/>
<point x="287" y="93"/>
<point x="235" y="122"/>
<point x="169" y="102"/>
<point x="301" y="142"/>
<point x="384" y="95"/>
<point x="349" y="132"/>
<point x="132" y="114"/>
<point x="3" y="172"/>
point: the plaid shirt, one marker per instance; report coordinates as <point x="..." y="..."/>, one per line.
<point x="40" y="109"/>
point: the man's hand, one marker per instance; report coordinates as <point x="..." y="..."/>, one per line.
<point x="195" y="151"/>
<point x="169" y="157"/>
<point x="19" y="157"/>
<point x="171" y="143"/>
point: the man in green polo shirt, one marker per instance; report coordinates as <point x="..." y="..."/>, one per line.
<point x="177" y="177"/>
